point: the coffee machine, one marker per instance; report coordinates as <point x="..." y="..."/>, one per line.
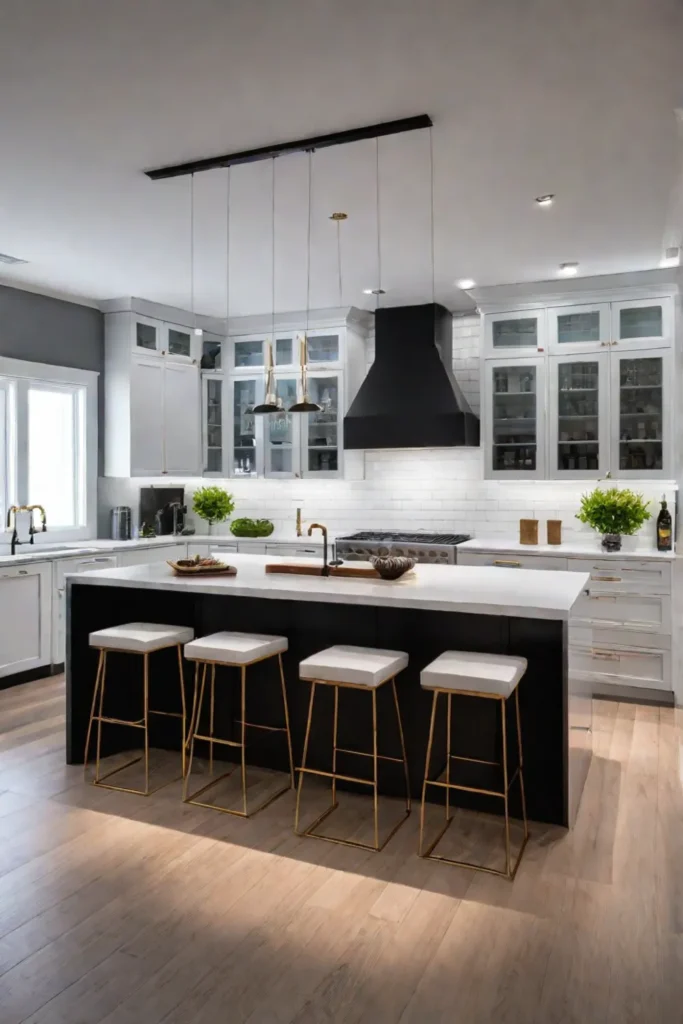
<point x="163" y="509"/>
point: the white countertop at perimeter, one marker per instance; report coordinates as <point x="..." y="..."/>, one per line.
<point x="481" y="590"/>
<point x="74" y="548"/>
<point x="573" y="549"/>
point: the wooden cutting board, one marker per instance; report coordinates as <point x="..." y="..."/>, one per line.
<point x="316" y="570"/>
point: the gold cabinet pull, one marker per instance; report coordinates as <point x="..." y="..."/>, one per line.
<point x="605" y="655"/>
<point x="607" y="579"/>
<point x="502" y="561"/>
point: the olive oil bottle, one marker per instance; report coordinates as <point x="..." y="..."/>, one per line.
<point x="664" y="528"/>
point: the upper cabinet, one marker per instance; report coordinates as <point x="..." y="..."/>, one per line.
<point x="151" y="337"/>
<point x="605" y="378"/>
<point x="519" y="333"/>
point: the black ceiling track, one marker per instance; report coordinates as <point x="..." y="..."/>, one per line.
<point x="249" y="156"/>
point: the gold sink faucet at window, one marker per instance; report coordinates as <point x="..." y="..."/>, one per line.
<point x="12" y="522"/>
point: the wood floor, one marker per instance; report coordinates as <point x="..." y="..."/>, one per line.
<point x="131" y="911"/>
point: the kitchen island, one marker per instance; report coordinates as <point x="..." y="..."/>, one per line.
<point x="434" y="608"/>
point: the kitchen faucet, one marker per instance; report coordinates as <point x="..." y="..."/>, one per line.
<point x="299" y="524"/>
<point x="12" y="521"/>
<point x="323" y="529"/>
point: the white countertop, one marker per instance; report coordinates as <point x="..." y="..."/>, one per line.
<point x="573" y="549"/>
<point x="481" y="590"/>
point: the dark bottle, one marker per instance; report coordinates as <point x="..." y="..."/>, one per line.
<point x="664" y="529"/>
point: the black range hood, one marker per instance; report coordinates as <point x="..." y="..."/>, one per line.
<point x="410" y="398"/>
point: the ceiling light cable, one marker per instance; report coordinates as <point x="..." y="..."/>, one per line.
<point x="431" y="199"/>
<point x="378" y="291"/>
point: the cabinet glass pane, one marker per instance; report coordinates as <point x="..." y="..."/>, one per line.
<point x="573" y="327"/>
<point x="211" y="355"/>
<point x="214" y="426"/>
<point x="641" y="418"/>
<point x="323" y="349"/>
<point x="514" y="418"/>
<point x="244" y="423"/>
<point x="323" y="426"/>
<point x="578" y="415"/>
<point x="179" y="343"/>
<point x="146" y="336"/>
<point x="248" y="353"/>
<point x="640" y="322"/>
<point x="280" y="429"/>
<point x="521" y="333"/>
<point x="283" y="352"/>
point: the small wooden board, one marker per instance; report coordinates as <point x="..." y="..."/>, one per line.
<point x="316" y="570"/>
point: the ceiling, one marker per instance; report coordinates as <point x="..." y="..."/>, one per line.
<point x="527" y="97"/>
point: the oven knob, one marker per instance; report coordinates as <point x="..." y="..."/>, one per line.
<point x="383" y="551"/>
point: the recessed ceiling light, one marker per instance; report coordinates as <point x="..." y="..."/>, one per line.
<point x="466" y="283"/>
<point x="546" y="200"/>
<point x="671" y="258"/>
<point x="569" y="269"/>
<point x="198" y="332"/>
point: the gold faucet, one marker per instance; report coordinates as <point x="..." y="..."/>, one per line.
<point x="323" y="530"/>
<point x="12" y="522"/>
<point x="299" y="523"/>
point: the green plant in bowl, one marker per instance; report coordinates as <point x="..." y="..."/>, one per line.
<point x="246" y="527"/>
<point x="213" y="504"/>
<point x="613" y="512"/>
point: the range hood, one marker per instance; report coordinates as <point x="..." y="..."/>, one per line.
<point x="410" y="398"/>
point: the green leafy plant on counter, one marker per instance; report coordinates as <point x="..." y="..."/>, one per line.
<point x="614" y="511"/>
<point x="212" y="504"/>
<point x="251" y="527"/>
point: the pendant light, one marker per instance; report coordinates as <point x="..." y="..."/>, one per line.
<point x="306" y="405"/>
<point x="197" y="331"/>
<point x="271" y="402"/>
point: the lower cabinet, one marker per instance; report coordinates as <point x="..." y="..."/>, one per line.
<point x="147" y="556"/>
<point x="61" y="568"/>
<point x="25" y="617"/>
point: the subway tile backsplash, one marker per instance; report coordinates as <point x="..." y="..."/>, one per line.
<point x="433" y="489"/>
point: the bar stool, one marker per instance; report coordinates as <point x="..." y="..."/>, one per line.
<point x="233" y="650"/>
<point x="365" y="668"/>
<point x="489" y="676"/>
<point x="143" y="638"/>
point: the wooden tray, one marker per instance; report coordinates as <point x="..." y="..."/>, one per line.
<point x="316" y="570"/>
<point x="203" y="570"/>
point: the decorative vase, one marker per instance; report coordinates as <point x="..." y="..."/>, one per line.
<point x="611" y="542"/>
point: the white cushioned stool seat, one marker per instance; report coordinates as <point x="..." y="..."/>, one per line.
<point x="473" y="672"/>
<point x="355" y="666"/>
<point x="235" y="648"/>
<point x="140" y="637"/>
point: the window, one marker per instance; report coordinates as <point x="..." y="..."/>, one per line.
<point x="48" y="444"/>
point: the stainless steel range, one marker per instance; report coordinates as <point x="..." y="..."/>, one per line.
<point x="423" y="547"/>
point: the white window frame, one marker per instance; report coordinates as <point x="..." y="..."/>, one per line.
<point x="16" y="377"/>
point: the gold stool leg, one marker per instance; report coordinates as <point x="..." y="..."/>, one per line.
<point x="375" y="768"/>
<point x="506" y="797"/>
<point x="243" y="688"/>
<point x="146" y="718"/>
<point x="521" y="766"/>
<point x="289" y="732"/>
<point x="100" y="662"/>
<point x="181" y="675"/>
<point x="197" y="714"/>
<point x="297" y="810"/>
<point x="99" y="718"/>
<point x="448" y="757"/>
<point x="403" y="744"/>
<point x="212" y="716"/>
<point x="334" y="745"/>
<point x="428" y="759"/>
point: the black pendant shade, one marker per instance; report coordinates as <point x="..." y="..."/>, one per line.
<point x="305" y="406"/>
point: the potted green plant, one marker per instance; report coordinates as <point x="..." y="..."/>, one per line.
<point x="613" y="513"/>
<point x="251" y="527"/>
<point x="212" y="504"/>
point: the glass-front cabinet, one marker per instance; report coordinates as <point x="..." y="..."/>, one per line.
<point x="282" y="432"/>
<point x="641" y="323"/>
<point x="641" y="413"/>
<point x="515" y="412"/>
<point x="578" y="328"/>
<point x="244" y="453"/>
<point x="579" y="413"/>
<point x="519" y="334"/>
<point x="323" y="429"/>
<point x="155" y="337"/>
<point x="212" y="433"/>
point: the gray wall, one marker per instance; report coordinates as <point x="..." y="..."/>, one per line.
<point x="46" y="330"/>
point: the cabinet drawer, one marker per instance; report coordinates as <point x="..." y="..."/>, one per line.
<point x="615" y="636"/>
<point x="650" y="612"/>
<point x="623" y="666"/>
<point x="627" y="576"/>
<point x="508" y="561"/>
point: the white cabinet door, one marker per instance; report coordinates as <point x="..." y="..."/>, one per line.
<point x="579" y="416"/>
<point x="640" y="399"/>
<point x="321" y="431"/>
<point x="148" y="556"/>
<point x="515" y="418"/>
<point x="282" y="432"/>
<point x="148" y="335"/>
<point x="25" y="620"/>
<point x="180" y="343"/>
<point x="642" y="323"/>
<point x="573" y="329"/>
<point x="519" y="333"/>
<point x="61" y="568"/>
<point x="181" y="400"/>
<point x="147" y="417"/>
<point x="212" y="424"/>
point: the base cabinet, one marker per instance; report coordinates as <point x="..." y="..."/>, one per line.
<point x="25" y="619"/>
<point x="61" y="568"/>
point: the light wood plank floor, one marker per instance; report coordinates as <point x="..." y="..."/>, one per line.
<point x="123" y="910"/>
